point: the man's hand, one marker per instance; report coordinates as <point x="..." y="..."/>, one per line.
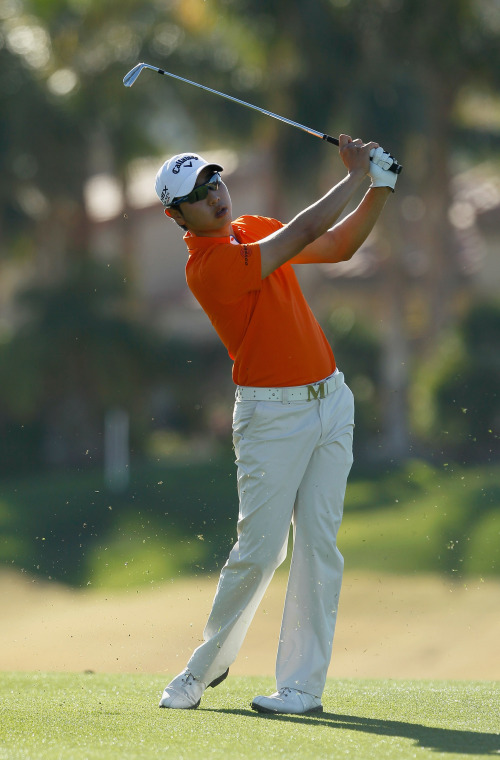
<point x="379" y="169"/>
<point x="315" y="220"/>
<point x="356" y="154"/>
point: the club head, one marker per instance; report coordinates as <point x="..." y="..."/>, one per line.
<point x="129" y="79"/>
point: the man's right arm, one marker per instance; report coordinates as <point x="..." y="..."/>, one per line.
<point x="315" y="220"/>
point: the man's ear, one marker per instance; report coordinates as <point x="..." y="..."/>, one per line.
<point x="176" y="215"/>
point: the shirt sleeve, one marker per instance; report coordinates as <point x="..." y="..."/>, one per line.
<point x="227" y="272"/>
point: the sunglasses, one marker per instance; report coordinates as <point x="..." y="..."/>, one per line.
<point x="200" y="193"/>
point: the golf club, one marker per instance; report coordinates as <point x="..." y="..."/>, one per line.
<point x="129" y="79"/>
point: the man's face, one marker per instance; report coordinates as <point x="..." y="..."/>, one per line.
<point x="210" y="217"/>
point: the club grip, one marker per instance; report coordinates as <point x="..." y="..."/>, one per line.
<point x="396" y="167"/>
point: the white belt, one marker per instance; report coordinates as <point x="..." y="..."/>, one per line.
<point x="311" y="392"/>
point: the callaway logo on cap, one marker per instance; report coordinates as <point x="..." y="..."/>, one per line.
<point x="177" y="177"/>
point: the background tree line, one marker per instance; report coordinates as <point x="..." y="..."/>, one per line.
<point x="406" y="72"/>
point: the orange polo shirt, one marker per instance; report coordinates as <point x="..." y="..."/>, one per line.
<point x="266" y="324"/>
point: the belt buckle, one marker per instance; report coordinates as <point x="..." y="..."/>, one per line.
<point x="316" y="394"/>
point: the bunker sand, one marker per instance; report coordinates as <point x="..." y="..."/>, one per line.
<point x="388" y="627"/>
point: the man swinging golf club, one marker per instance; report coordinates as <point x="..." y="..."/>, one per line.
<point x="293" y="415"/>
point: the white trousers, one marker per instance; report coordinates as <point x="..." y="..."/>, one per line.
<point x="293" y="460"/>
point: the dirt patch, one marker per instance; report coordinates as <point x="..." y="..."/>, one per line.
<point x="388" y="626"/>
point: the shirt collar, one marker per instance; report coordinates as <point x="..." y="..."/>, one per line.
<point x="200" y="243"/>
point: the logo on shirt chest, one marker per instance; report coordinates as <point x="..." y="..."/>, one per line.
<point x="245" y="253"/>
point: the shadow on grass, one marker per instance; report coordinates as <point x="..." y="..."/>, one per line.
<point x="427" y="737"/>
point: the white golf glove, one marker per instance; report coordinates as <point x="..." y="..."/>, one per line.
<point x="380" y="163"/>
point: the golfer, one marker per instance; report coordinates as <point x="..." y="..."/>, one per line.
<point x="293" y="416"/>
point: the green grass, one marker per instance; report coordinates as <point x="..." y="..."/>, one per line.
<point x="420" y="518"/>
<point x="97" y="717"/>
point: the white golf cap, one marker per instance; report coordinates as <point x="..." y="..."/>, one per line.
<point x="177" y="176"/>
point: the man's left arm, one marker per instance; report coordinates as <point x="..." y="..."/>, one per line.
<point x="342" y="241"/>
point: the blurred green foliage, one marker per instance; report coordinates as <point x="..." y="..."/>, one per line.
<point x="181" y="518"/>
<point x="390" y="69"/>
<point x="419" y="518"/>
<point x="80" y="352"/>
<point x="72" y="528"/>
<point x="358" y="353"/>
<point x="77" y="353"/>
<point x="457" y="392"/>
<point x="468" y="391"/>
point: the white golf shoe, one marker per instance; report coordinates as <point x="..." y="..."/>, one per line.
<point x="288" y="701"/>
<point x="185" y="691"/>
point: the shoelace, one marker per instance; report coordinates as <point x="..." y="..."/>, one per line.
<point x="285" y="691"/>
<point x="188" y="679"/>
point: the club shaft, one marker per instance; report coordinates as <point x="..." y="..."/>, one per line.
<point x="255" y="108"/>
<point x="132" y="75"/>
<point x="130" y="78"/>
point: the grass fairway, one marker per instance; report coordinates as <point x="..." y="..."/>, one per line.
<point x="96" y="717"/>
